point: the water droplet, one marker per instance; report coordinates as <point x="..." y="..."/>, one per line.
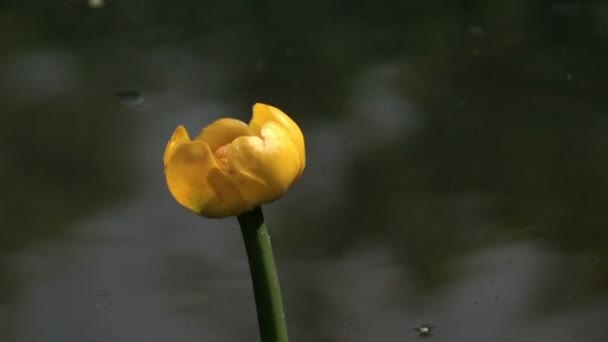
<point x="96" y="3"/>
<point x="424" y="329"/>
<point x="129" y="97"/>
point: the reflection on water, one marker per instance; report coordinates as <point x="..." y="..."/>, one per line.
<point x="456" y="171"/>
<point x="129" y="97"/>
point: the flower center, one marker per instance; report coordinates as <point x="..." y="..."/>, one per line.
<point x="221" y="155"/>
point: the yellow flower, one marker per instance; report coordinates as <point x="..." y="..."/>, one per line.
<point x="231" y="167"/>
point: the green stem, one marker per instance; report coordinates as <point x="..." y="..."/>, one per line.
<point x="266" y="289"/>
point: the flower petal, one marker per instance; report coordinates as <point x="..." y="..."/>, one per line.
<point x="222" y="132"/>
<point x="187" y="165"/>
<point x="179" y="135"/>
<point x="196" y="181"/>
<point x="263" y="113"/>
<point x="229" y="200"/>
<point x="264" y="167"/>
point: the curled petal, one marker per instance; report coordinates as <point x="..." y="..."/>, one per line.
<point x="263" y="113"/>
<point x="187" y="165"/>
<point x="264" y="167"/>
<point x="229" y="200"/>
<point x="180" y="135"/>
<point x="222" y="132"/>
<point x="197" y="183"/>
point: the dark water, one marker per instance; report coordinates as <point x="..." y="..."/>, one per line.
<point x="457" y="171"/>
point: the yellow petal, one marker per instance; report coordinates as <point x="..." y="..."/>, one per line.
<point x="229" y="200"/>
<point x="264" y="167"/>
<point x="222" y="132"/>
<point x="195" y="180"/>
<point x="179" y="135"/>
<point x="186" y="168"/>
<point x="263" y="113"/>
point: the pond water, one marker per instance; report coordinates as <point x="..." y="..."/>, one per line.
<point x="456" y="179"/>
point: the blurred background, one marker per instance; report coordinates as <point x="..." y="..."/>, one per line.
<point x="457" y="170"/>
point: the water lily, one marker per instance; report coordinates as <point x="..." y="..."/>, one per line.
<point x="230" y="167"/>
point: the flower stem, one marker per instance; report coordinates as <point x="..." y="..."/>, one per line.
<point x="266" y="289"/>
